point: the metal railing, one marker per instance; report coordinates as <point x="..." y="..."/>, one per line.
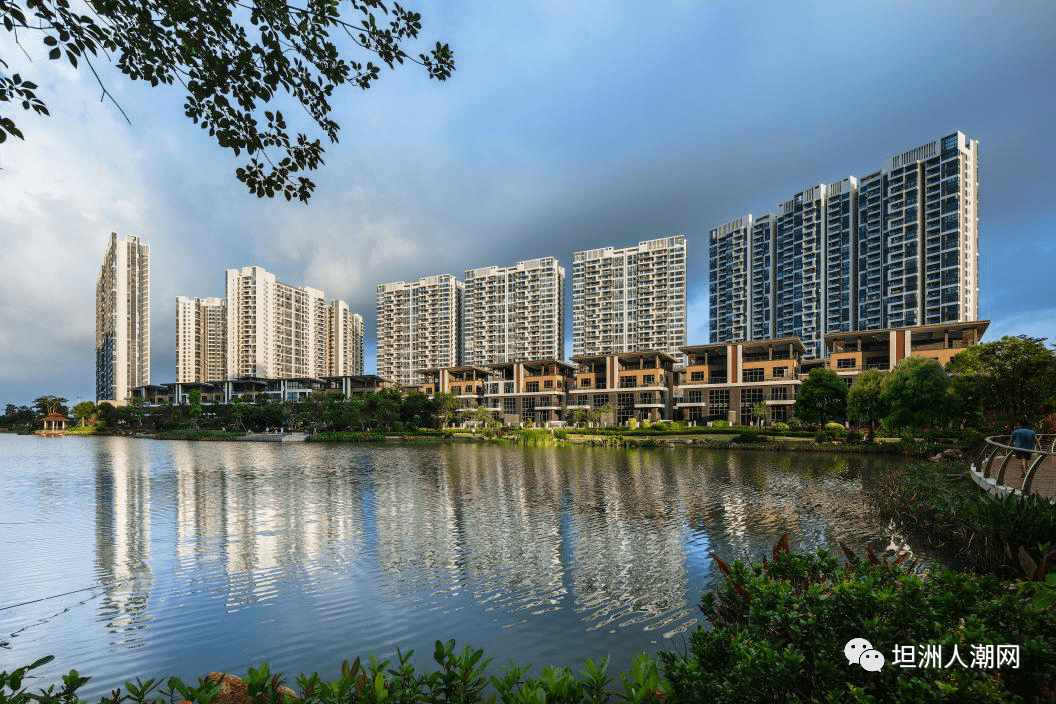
<point x="999" y="448"/>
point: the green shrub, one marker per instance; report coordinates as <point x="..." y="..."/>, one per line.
<point x="779" y="630"/>
<point x="855" y="436"/>
<point x="345" y="436"/>
<point x="748" y="436"/>
<point x="985" y="533"/>
<point x="971" y="439"/>
<point x="829" y="435"/>
<point x="838" y="427"/>
<point x="780" y="427"/>
<point x="456" y="676"/>
<point x="720" y="424"/>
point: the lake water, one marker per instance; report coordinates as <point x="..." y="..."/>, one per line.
<point x="127" y="557"/>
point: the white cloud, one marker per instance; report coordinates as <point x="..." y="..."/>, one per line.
<point x="1039" y="322"/>
<point x="62" y="191"/>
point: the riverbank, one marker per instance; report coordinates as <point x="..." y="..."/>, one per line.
<point x="1009" y="536"/>
<point x="710" y="438"/>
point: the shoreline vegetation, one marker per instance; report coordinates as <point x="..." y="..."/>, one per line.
<point x="731" y="437"/>
<point x="776" y="629"/>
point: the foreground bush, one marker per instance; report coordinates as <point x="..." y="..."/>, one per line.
<point x="779" y="631"/>
<point x="1010" y="536"/>
<point x="460" y="678"/>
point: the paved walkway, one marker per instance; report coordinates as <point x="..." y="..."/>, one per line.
<point x="1044" y="478"/>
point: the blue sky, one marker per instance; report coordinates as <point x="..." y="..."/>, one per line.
<point x="566" y="126"/>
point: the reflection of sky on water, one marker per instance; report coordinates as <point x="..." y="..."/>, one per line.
<point x="188" y="557"/>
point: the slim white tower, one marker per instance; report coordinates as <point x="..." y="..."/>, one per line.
<point x="122" y="319"/>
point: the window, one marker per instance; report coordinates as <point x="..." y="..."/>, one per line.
<point x="697" y="376"/>
<point x="779" y="393"/>
<point x="779" y="372"/>
<point x="548" y="384"/>
<point x="527" y="408"/>
<point x="719" y="402"/>
<point x="750" y="397"/>
<point x="627" y="382"/>
<point x="648" y="379"/>
<point x="507" y="388"/>
<point x="456" y="390"/>
<point x="584" y="381"/>
<point x="846" y="363"/>
<point x="753" y="374"/>
<point x="509" y="406"/>
<point x="624" y="407"/>
<point x="695" y="397"/>
<point x="600" y="400"/>
<point x="531" y="387"/>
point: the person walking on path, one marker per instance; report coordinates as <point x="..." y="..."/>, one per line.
<point x="1025" y="440"/>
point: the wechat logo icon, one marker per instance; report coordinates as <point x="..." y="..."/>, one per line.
<point x="861" y="652"/>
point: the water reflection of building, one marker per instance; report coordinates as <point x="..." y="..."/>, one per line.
<point x="626" y="536"/>
<point x="418" y="537"/>
<point x="122" y="538"/>
<point x="246" y="509"/>
<point x="509" y="516"/>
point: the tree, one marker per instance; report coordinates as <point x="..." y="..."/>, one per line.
<point x="194" y="400"/>
<point x="483" y="416"/>
<point x="759" y="412"/>
<point x="597" y="414"/>
<point x="865" y="400"/>
<point x="234" y="58"/>
<point x="997" y="383"/>
<point x="917" y="394"/>
<point x="46" y="405"/>
<point x="447" y="407"/>
<point x="822" y="397"/>
<point x="83" y="411"/>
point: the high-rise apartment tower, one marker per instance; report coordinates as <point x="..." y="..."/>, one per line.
<point x="630" y="299"/>
<point x="419" y="327"/>
<point x="274" y="330"/>
<point x="514" y="313"/>
<point x="122" y="319"/>
<point x="897" y="248"/>
<point x="344" y="340"/>
<point x="201" y="339"/>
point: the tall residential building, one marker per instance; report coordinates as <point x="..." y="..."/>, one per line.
<point x="344" y="340"/>
<point x="630" y="299"/>
<point x="514" y="313"/>
<point x="897" y="248"/>
<point x="201" y="339"/>
<point x="419" y="327"/>
<point x="274" y="330"/>
<point x="122" y="319"/>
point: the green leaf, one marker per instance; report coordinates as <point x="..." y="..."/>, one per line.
<point x="54" y="53"/>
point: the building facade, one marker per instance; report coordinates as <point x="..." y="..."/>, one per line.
<point x="514" y="313"/>
<point x="344" y="341"/>
<point x="897" y="248"/>
<point x="728" y="381"/>
<point x="201" y="339"/>
<point x="122" y="319"/>
<point x="635" y="385"/>
<point x="279" y="331"/>
<point x="849" y="354"/>
<point x="630" y="299"/>
<point x="419" y="327"/>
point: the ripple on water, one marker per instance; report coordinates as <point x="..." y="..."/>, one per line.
<point x="193" y="557"/>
